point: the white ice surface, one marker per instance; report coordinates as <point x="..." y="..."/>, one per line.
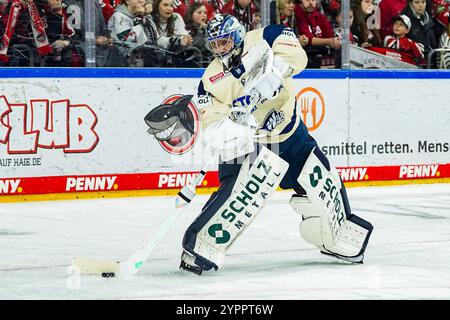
<point x="408" y="256"/>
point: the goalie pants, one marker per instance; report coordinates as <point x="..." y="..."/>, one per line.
<point x="295" y="150"/>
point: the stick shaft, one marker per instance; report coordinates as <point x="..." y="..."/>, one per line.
<point x="184" y="197"/>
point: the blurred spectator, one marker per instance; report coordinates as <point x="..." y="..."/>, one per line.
<point x="243" y="10"/>
<point x="170" y="25"/>
<point x="196" y="25"/>
<point x="283" y="12"/>
<point x="131" y="27"/>
<point x="368" y="34"/>
<point x="212" y="7"/>
<point x="421" y="25"/>
<point x="256" y="20"/>
<point x="314" y="25"/>
<point x="23" y="33"/>
<point x="410" y="51"/>
<point x="439" y="9"/>
<point x="59" y="33"/>
<point x="323" y="6"/>
<point x="180" y="7"/>
<point x="107" y="9"/>
<point x="3" y="4"/>
<point x="334" y="9"/>
<point x="389" y="9"/>
<point x="321" y="40"/>
<point x="104" y="50"/>
<point x="127" y="24"/>
<point x="113" y="3"/>
<point x="444" y="42"/>
<point x="150" y="29"/>
<point x="434" y="7"/>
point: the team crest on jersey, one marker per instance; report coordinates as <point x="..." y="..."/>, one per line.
<point x="273" y="119"/>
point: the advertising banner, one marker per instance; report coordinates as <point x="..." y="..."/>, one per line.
<point x="63" y="135"/>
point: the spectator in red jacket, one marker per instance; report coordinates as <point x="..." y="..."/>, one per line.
<point x="315" y="25"/>
<point x="321" y="42"/>
<point x="389" y="9"/>
<point x="439" y="8"/>
<point x="399" y="41"/>
<point x="243" y="10"/>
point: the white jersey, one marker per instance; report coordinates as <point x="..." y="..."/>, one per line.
<point x="219" y="90"/>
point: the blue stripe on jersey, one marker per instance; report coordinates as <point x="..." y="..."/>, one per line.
<point x="272" y="32"/>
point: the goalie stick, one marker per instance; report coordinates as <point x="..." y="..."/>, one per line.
<point x="257" y="62"/>
<point x="111" y="268"/>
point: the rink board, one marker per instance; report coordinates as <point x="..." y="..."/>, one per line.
<point x="82" y="130"/>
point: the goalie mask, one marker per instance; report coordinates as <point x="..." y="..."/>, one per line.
<point x="225" y="39"/>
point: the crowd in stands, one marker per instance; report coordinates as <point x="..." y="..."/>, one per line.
<point x="170" y="33"/>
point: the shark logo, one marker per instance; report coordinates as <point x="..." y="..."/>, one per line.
<point x="175" y="124"/>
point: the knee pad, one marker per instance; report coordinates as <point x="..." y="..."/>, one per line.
<point x="310" y="224"/>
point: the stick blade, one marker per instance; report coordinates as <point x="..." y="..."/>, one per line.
<point x="87" y="265"/>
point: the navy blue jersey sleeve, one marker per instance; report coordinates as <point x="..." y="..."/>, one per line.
<point x="272" y="32"/>
<point x="201" y="89"/>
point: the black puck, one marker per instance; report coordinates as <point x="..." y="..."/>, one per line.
<point x="108" y="274"/>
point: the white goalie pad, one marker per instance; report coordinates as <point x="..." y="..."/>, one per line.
<point x="350" y="241"/>
<point x="253" y="187"/>
<point x="326" y="223"/>
<point x="310" y="228"/>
